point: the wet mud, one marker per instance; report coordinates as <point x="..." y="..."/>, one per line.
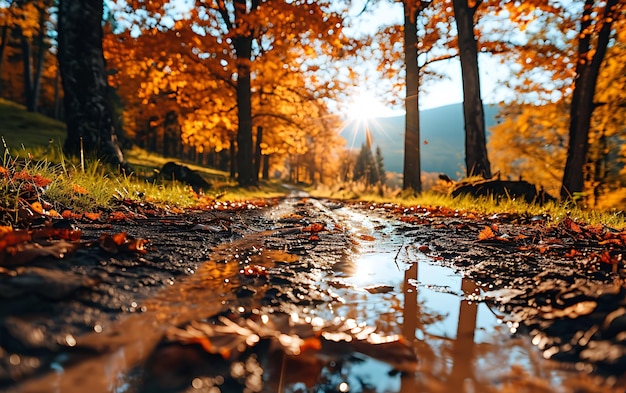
<point x="320" y="296"/>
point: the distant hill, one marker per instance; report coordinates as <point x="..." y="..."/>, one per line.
<point x="442" y="137"/>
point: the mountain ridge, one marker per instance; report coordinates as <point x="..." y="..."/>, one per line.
<point x="442" y="138"/>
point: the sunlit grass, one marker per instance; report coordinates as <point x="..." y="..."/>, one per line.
<point x="553" y="212"/>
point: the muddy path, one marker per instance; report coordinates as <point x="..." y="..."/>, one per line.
<point x="321" y="296"/>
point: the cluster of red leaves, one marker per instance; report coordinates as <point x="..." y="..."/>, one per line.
<point x="313" y="230"/>
<point x="121" y="242"/>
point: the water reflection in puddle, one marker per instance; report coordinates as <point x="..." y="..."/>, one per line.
<point x="462" y="346"/>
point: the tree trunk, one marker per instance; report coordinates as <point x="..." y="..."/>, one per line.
<point x="582" y="106"/>
<point x="27" y="55"/>
<point x="4" y="36"/>
<point x="88" y="112"/>
<point x="476" y="160"/>
<point x="243" y="50"/>
<point x="57" y="96"/>
<point x="412" y="164"/>
<point x="233" y="161"/>
<point x="257" y="153"/>
<point x="41" y="56"/>
<point x="266" y="167"/>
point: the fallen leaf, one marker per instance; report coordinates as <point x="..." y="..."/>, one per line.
<point x="37" y="207"/>
<point x="68" y="214"/>
<point x="486" y="234"/>
<point x="571" y="225"/>
<point x="253" y="271"/>
<point x="120" y="242"/>
<point x="118" y="216"/>
<point x="21" y="254"/>
<point x="424" y="248"/>
<point x="93" y="216"/>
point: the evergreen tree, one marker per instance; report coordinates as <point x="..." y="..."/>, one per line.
<point x="380" y="166"/>
<point x="363" y="166"/>
<point x="369" y="169"/>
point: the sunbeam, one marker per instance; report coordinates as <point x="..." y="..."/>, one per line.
<point x="362" y="114"/>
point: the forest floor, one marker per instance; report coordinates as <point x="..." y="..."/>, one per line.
<point x="298" y="294"/>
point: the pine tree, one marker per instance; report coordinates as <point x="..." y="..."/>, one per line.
<point x="380" y="166"/>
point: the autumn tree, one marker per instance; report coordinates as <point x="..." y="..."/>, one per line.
<point x="25" y="38"/>
<point x="199" y="62"/>
<point x="536" y="133"/>
<point x="405" y="53"/>
<point x="89" y="115"/>
<point x="412" y="157"/>
<point x="476" y="159"/>
<point x="556" y="59"/>
<point x="593" y="40"/>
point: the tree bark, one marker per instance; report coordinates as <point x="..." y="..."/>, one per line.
<point x="233" y="162"/>
<point x="412" y="164"/>
<point x="32" y="101"/>
<point x="257" y="152"/>
<point x="266" y="167"/>
<point x="27" y="70"/>
<point x="4" y="36"/>
<point x="88" y="111"/>
<point x="476" y="159"/>
<point x="243" y="50"/>
<point x="581" y="109"/>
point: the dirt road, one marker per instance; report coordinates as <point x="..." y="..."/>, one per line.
<point x="320" y="296"/>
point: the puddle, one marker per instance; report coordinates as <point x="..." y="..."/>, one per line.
<point x="461" y="345"/>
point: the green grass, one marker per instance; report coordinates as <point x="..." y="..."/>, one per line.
<point x="24" y="132"/>
<point x="33" y="147"/>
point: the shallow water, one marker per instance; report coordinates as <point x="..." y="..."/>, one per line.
<point x="462" y="344"/>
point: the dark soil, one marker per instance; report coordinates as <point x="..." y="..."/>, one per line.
<point x="561" y="284"/>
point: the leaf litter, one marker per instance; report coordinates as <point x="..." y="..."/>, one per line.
<point x="563" y="283"/>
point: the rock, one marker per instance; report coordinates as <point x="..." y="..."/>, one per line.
<point x="181" y="173"/>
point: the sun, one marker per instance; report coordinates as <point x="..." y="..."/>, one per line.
<point x="364" y="106"/>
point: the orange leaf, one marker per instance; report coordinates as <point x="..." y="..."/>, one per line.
<point x="367" y="238"/>
<point x="137" y="245"/>
<point x="37" y="207"/>
<point x="254" y="270"/>
<point x="68" y="214"/>
<point x="92" y="216"/>
<point x="571" y="225"/>
<point x="606" y="257"/>
<point x="41" y="181"/>
<point x="119" y="238"/>
<point x="117" y="216"/>
<point x="79" y="190"/>
<point x="312" y="343"/>
<point x="486" y="234"/>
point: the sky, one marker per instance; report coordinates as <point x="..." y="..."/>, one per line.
<point x="435" y="93"/>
